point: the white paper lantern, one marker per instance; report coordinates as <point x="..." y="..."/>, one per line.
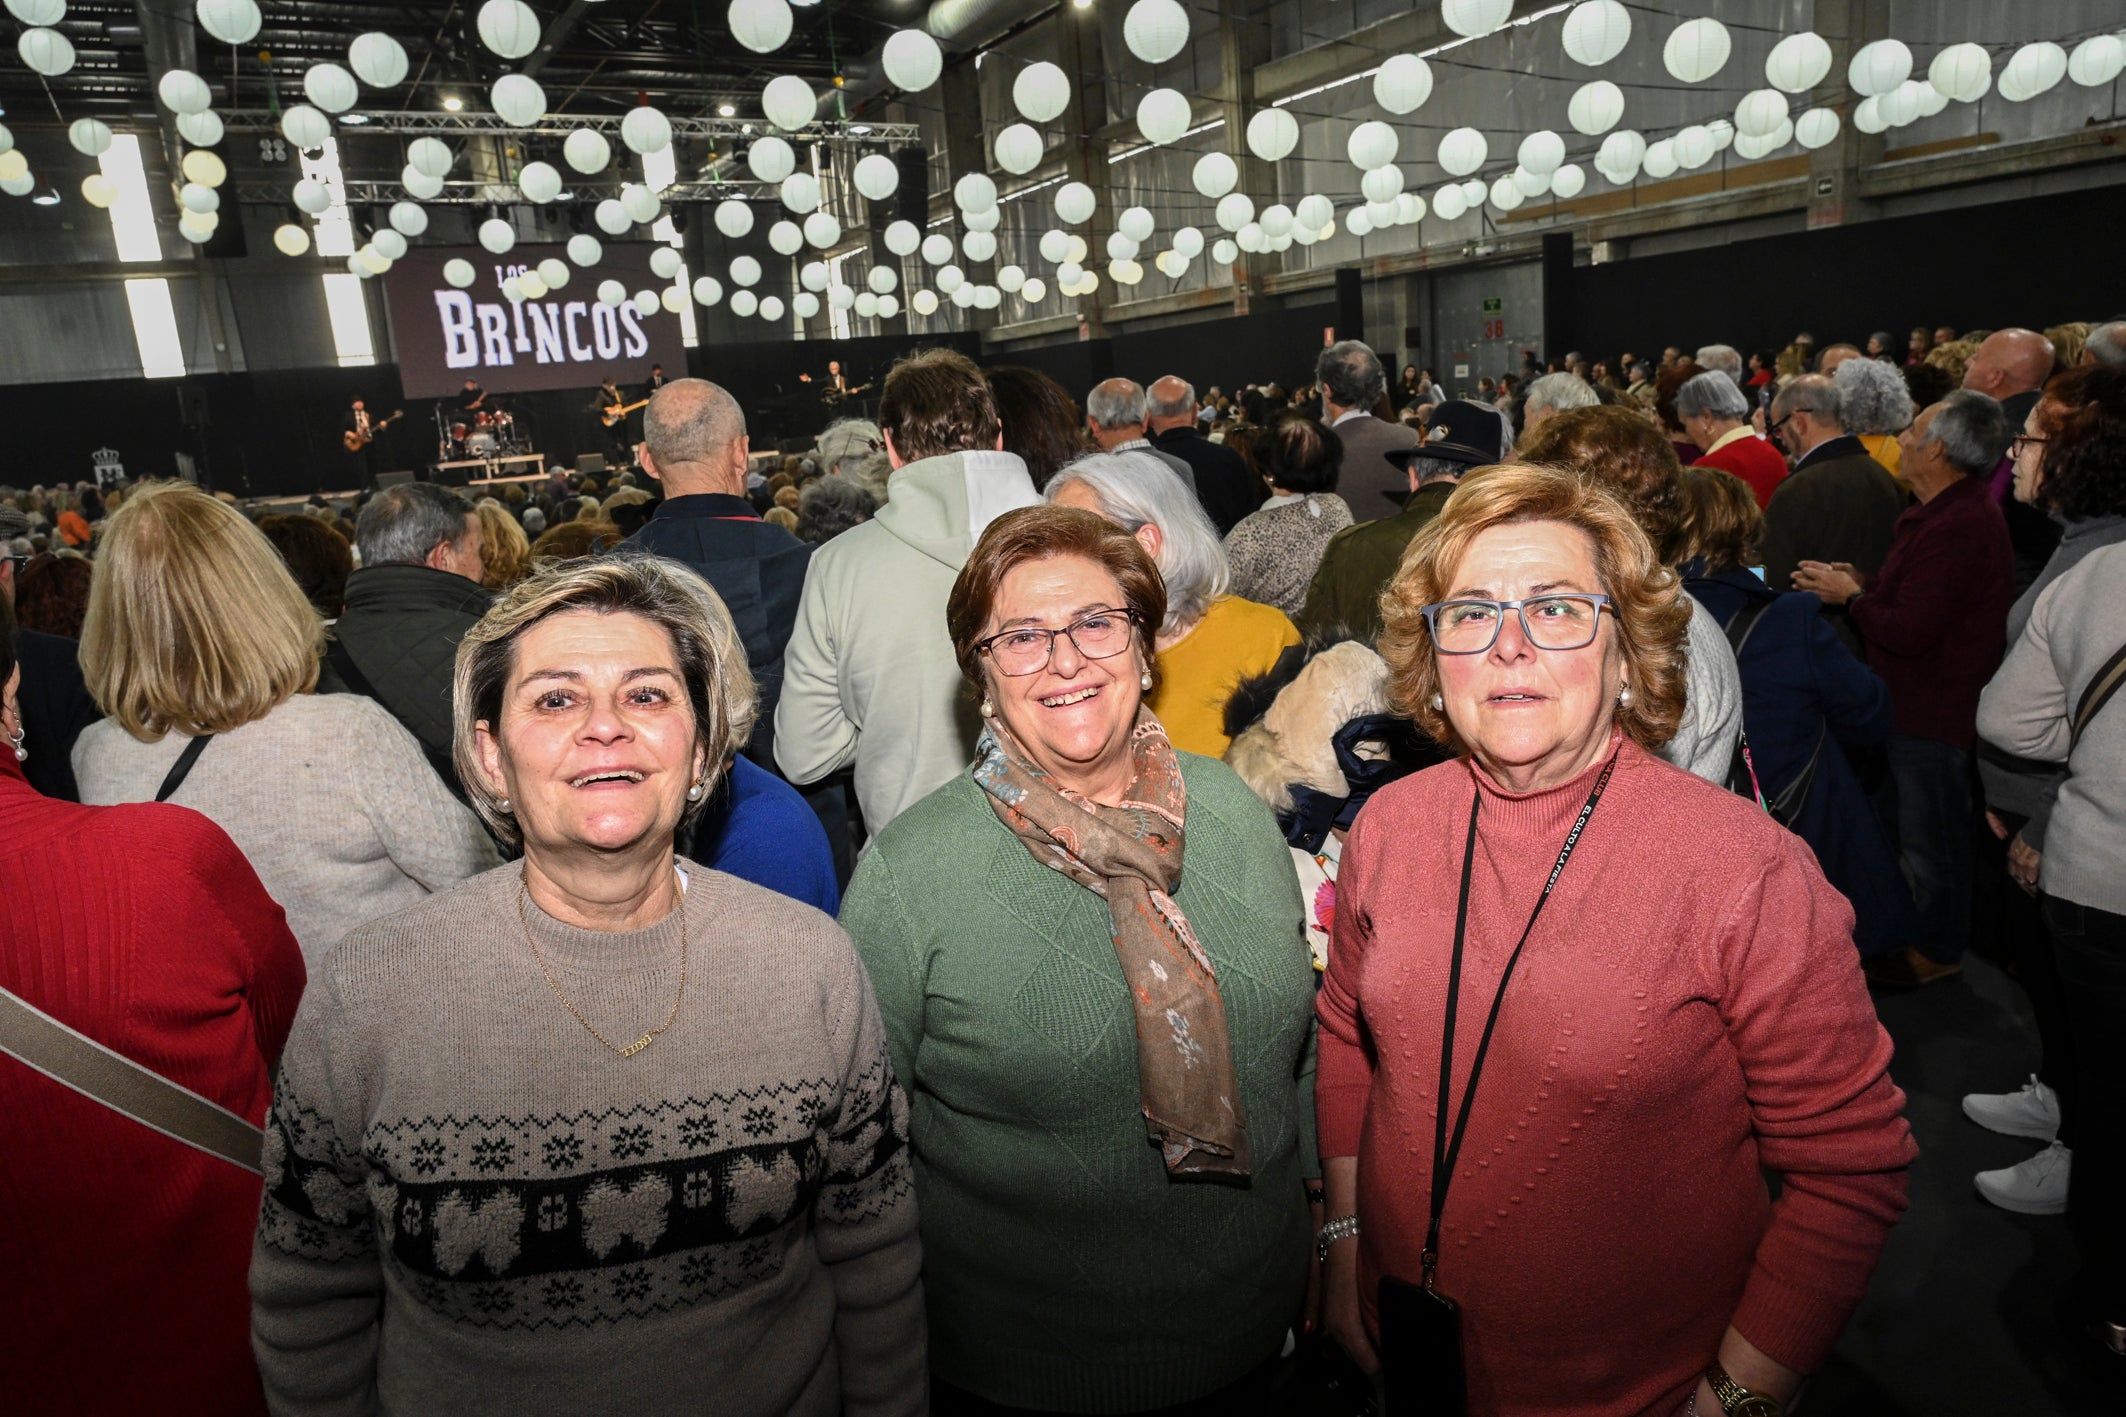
<point x="49" y="52"/>
<point x="950" y="278"/>
<point x="539" y="183"/>
<point x="1660" y="160"/>
<point x="1214" y="175"/>
<point x="648" y="303"/>
<point x="231" y="22"/>
<point x="903" y="238"/>
<point x="202" y="129"/>
<point x="1136" y="223"/>
<point x="866" y="305"/>
<point x="100" y="191"/>
<point x="745" y="270"/>
<point x="804" y="304"/>
<point x="1163" y="116"/>
<point x="1868" y="116"/>
<point x="813" y="275"/>
<point x="372" y="261"/>
<point x="882" y="279"/>
<point x="1474" y="191"/>
<point x="1473" y="18"/>
<point x="912" y="60"/>
<point x="707" y="290"/>
<point x="378" y="60"/>
<point x="508" y="27"/>
<point x="1155" y="30"/>
<point x="786" y="238"/>
<point x="497" y="235"/>
<point x="936" y="249"/>
<point x="1693" y="147"/>
<point x="1409" y="207"/>
<point x="330" y="87"/>
<point x="734" y="218"/>
<point x="1381" y="215"/>
<point x="1816" y="128"/>
<point x="1041" y="92"/>
<point x="924" y="302"/>
<point x="744" y="304"/>
<point x="1372" y="144"/>
<point x="420" y="185"/>
<point x="841" y="297"/>
<point x="1055" y="246"/>
<point x="458" y="271"/>
<point x="1505" y="195"/>
<point x="2032" y="70"/>
<point x="1568" y="182"/>
<point x="1879" y="67"/>
<point x="1542" y="152"/>
<point x="183" y="91"/>
<point x="1449" y="203"/>
<point x="1074" y="203"/>
<point x="1723" y="134"/>
<point x="762" y="26"/>
<point x="974" y="192"/>
<point x="355" y="266"/>
<point x="1188" y="243"/>
<point x="1068" y="274"/>
<point x="1962" y="71"/>
<point x="1358" y="222"/>
<point x="1272" y="134"/>
<point x="586" y="150"/>
<point x="1235" y="210"/>
<point x="640" y="203"/>
<point x="1225" y="252"/>
<point x="789" y="102"/>
<point x="1622" y="150"/>
<point x="665" y="262"/>
<point x="1596" y="32"/>
<point x="1011" y="279"/>
<point x="646" y="130"/>
<point x="612" y="294"/>
<point x="822" y="230"/>
<point x="429" y="156"/>
<point x="1798" y="62"/>
<point x="1462" y="151"/>
<point x="91" y="137"/>
<point x="1696" y="50"/>
<point x="1124" y="272"/>
<point x="1403" y="84"/>
<point x="554" y="273"/>
<point x="305" y="127"/>
<point x="1313" y="212"/>
<point x="1019" y="149"/>
<point x="311" y="196"/>
<point x="800" y="192"/>
<point x="612" y="218"/>
<point x="288" y="238"/>
<point x="196" y="198"/>
<point x="585" y="250"/>
<point x="770" y="160"/>
<point x="983" y="221"/>
<point x="1751" y="149"/>
<point x="2096" y="61"/>
<point x="876" y="176"/>
<point x="518" y="99"/>
<point x="1596" y="107"/>
<point x="1902" y="104"/>
<point x="1759" y="112"/>
<point x="1120" y="247"/>
<point x="1531" y="184"/>
<point x="1276" y="220"/>
<point x="1382" y="184"/>
<point x="390" y="243"/>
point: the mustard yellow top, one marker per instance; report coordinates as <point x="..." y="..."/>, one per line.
<point x="1883" y="448"/>
<point x="1235" y="639"/>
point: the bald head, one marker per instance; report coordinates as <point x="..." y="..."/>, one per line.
<point x="694" y="439"/>
<point x="2010" y="362"/>
<point x="1828" y="361"/>
<point x="1173" y="403"/>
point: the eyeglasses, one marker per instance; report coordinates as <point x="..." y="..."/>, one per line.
<point x="1773" y="431"/>
<point x="1547" y="621"/>
<point x="2023" y="440"/>
<point x="1028" y="649"/>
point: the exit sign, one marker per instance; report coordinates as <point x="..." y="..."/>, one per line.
<point x="1494" y="306"/>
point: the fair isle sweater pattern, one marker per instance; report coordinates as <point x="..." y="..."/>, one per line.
<point x="593" y="1217"/>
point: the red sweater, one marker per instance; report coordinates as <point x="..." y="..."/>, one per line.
<point x="1752" y="459"/>
<point x="143" y="927"/>
<point x="1689" y="1010"/>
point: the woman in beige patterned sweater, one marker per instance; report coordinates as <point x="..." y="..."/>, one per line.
<point x="1274" y="551"/>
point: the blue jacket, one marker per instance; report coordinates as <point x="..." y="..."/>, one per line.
<point x="1798" y="677"/>
<point x="759" y="829"/>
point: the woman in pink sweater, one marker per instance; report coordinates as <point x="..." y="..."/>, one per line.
<point x="1655" y="989"/>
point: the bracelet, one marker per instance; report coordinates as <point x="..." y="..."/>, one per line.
<point x="1344" y="1227"/>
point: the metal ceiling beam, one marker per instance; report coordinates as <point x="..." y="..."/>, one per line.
<point x="863" y="132"/>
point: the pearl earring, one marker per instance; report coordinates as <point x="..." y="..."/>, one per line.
<point x="504" y="806"/>
<point x="989" y="710"/>
<point x="1438" y="703"/>
<point x="1145" y="682"/>
<point x="694" y="793"/>
<point x="1624" y="697"/>
<point x="15" y="741"/>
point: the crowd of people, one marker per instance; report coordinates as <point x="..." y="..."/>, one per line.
<point x="1042" y="905"/>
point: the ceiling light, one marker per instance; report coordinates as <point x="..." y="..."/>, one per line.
<point x="452" y="103"/>
<point x="725" y="110"/>
<point x="356" y="118"/>
<point x="1082" y="4"/>
<point x="860" y="128"/>
<point x="48" y="197"/>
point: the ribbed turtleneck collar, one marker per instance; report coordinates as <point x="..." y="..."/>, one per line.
<point x="1546" y="814"/>
<point x="598" y="951"/>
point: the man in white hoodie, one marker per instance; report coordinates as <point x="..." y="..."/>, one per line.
<point x="870" y="675"/>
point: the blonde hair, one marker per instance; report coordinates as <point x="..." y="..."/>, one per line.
<point x="505" y="551"/>
<point x="712" y="660"/>
<point x="194" y="623"/>
<point x="1651" y="613"/>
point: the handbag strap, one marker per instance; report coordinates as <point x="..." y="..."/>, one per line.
<point x="1743" y="623"/>
<point x="182" y="768"/>
<point x="73" y="1059"/>
<point x="2099" y="693"/>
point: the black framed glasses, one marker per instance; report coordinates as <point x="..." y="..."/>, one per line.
<point x="1560" y="622"/>
<point x="1027" y="650"/>
<point x="2025" y="440"/>
<point x="1773" y="431"/>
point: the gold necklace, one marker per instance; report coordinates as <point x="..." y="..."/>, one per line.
<point x="524" y="918"/>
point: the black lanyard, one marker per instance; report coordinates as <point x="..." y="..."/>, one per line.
<point x="1444" y="1152"/>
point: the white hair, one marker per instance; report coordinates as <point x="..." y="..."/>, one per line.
<point x="1711" y="392"/>
<point x="1722" y="359"/>
<point x="1117" y="403"/>
<point x="1135" y="490"/>
<point x="1561" y="391"/>
<point x="1872" y="397"/>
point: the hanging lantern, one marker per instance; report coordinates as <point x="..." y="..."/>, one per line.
<point x="770" y="160"/>
<point x="199" y="200"/>
<point x="974" y="192"/>
<point x="822" y="230"/>
<point x="91" y="137"/>
<point x="328" y="86"/>
<point x="231" y="22"/>
<point x="1312" y="213"/>
<point x="1235" y="210"/>
<point x="936" y="249"/>
<point x="1693" y="147"/>
<point x="1901" y="105"/>
<point x="1409" y="207"/>
<point x="913" y="60"/>
<point x="288" y="238"/>
<point x="1041" y="92"/>
<point x="585" y="250"/>
<point x="1225" y="252"/>
<point x="950" y="278"/>
<point x="555" y="273"/>
<point x="202" y="129"/>
<point x="1696" y="50"/>
<point x="1403" y="84"/>
<point x="458" y="272"/>
<point x="1622" y="151"/>
<point x="508" y="27"/>
<point x="1272" y="134"/>
<point x="518" y="99"/>
<point x="183" y="91"/>
<point x="978" y="246"/>
<point x="99" y="191"/>
<point x="1759" y="112"/>
<point x="744" y="304"/>
<point x="539" y="183"/>
<point x="1163" y="115"/>
<point x="1074" y="203"/>
<point x="497" y="235"/>
<point x="1214" y="175"/>
<point x="800" y="192"/>
<point x="1020" y="148"/>
<point x="646" y="130"/>
<point x="1136" y="223"/>
<point x="49" y="52"/>
<point x="1596" y="107"/>
<point x="1505" y="195"/>
<point x="1449" y="203"/>
<point x="1359" y="222"/>
<point x="639" y="202"/>
<point x="1462" y="151"/>
<point x="390" y="244"/>
<point x="876" y="176"/>
<point x="587" y="151"/>
<point x="420" y="185"/>
<point x="762" y="26"/>
<point x="771" y="308"/>
<point x="1879" y="67"/>
<point x="1372" y="144"/>
<point x="786" y="238"/>
<point x="1660" y="160"/>
<point x="378" y="60"/>
<point x="429" y="156"/>
<point x="1962" y="71"/>
<point x="1596" y="32"/>
<point x="924" y="302"/>
<point x="1798" y="62"/>
<point x="1475" y="18"/>
<point x="1568" y="182"/>
<point x="804" y="304"/>
<point x="612" y="218"/>
<point x="1276" y="220"/>
<point x="745" y="270"/>
<point x="2096" y="61"/>
<point x="1531" y="184"/>
<point x="1382" y="184"/>
<point x="1542" y="152"/>
<point x="311" y="196"/>
<point x="1155" y="30"/>
<point x="789" y="102"/>
<point x="305" y="127"/>
<point x="2032" y="70"/>
<point x="1816" y="128"/>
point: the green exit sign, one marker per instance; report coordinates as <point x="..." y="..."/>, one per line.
<point x="1494" y="306"/>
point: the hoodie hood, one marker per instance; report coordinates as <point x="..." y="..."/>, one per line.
<point x="940" y="506"/>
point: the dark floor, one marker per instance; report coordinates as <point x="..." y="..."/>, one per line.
<point x="1959" y="1318"/>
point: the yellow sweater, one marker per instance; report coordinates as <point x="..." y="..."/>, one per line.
<point x="1234" y="640"/>
<point x="1883" y="448"/>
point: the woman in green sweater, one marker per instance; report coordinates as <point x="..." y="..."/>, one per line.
<point x="1109" y="1057"/>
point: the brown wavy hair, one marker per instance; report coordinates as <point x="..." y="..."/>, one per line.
<point x="1651" y="613"/>
<point x="1722" y="524"/>
<point x="936" y="402"/>
<point x="1035" y="534"/>
<point x="1620" y="449"/>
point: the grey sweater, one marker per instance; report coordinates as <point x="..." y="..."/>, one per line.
<point x="2078" y="623"/>
<point x="327" y="795"/>
<point x="471" y="1205"/>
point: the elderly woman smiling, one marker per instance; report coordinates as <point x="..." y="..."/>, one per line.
<point x="1108" y="1057"/>
<point x="605" y="1128"/>
<point x="1557" y="1113"/>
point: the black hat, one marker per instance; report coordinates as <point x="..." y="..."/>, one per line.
<point x="1459" y="432"/>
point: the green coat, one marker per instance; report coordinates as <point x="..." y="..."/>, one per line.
<point x="1062" y="1267"/>
<point x="1359" y="563"/>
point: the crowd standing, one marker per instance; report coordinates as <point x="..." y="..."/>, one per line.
<point x="1048" y="903"/>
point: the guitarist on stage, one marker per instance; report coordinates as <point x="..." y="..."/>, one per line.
<point x="358" y="435"/>
<point x="613" y="409"/>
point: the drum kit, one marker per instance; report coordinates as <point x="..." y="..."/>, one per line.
<point x="478" y="435"/>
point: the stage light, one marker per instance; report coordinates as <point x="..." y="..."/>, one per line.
<point x="453" y="104"/>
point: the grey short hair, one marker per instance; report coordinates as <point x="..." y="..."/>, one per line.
<point x="848" y="439"/>
<point x="712" y="660"/>
<point x="2107" y="343"/>
<point x="691" y="421"/>
<point x="1815" y="395"/>
<point x="1711" y="393"/>
<point x="1182" y="407"/>
<point x="1117" y="403"/>
<point x="402" y="524"/>
<point x="1721" y="359"/>
<point x="1872" y="397"/>
<point x="1352" y="374"/>
<point x="1135" y="490"/>
<point x="1560" y="391"/>
<point x="1972" y="430"/>
<point x="1434" y="469"/>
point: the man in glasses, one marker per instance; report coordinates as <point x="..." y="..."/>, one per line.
<point x="1837" y="505"/>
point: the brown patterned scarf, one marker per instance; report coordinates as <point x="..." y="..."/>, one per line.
<point x="1131" y="855"/>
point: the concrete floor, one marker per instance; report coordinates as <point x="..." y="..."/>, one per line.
<point x="1959" y="1319"/>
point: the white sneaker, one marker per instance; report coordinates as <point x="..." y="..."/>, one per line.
<point x="2034" y="1187"/>
<point x="2032" y="1111"/>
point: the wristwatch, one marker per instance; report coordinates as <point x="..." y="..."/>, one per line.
<point x="1737" y="1400"/>
<point x="1341" y="1228"/>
